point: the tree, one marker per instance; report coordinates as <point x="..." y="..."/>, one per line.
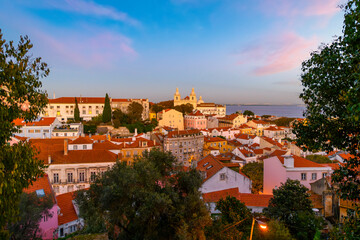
<point x="135" y="111"/>
<point x="232" y="212"/>
<point x="284" y="121"/>
<point x="32" y="210"/>
<point x="106" y="115"/>
<point x="152" y="199"/>
<point x="291" y="205"/>
<point x="248" y="113"/>
<point x="157" y="108"/>
<point x="254" y="171"/>
<point x="76" y="111"/>
<point x="184" y="108"/>
<point x="318" y="159"/>
<point x="20" y="97"/>
<point x="275" y="230"/>
<point x="331" y="92"/>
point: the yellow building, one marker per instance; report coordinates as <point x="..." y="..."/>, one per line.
<point x="212" y="143"/>
<point x="171" y="118"/>
<point x="234" y="120"/>
<point x="259" y="125"/>
<point x="152" y="115"/>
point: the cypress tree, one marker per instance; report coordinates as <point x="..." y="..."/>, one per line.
<point x="76" y="111"/>
<point x="106" y="116"/>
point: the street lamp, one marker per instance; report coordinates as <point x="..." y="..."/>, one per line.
<point x="262" y="226"/>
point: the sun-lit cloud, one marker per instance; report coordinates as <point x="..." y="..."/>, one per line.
<point x="101" y="50"/>
<point x="278" y="53"/>
<point x="91" y="8"/>
<point x="301" y="8"/>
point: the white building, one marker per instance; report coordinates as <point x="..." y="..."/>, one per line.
<point x="217" y="177"/>
<point x="40" y="128"/>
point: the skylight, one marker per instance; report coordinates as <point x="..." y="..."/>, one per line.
<point x="40" y="193"/>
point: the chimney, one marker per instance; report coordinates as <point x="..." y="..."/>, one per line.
<point x="49" y="159"/>
<point x="66" y="143"/>
<point x="154" y="142"/>
<point x="288" y="161"/>
<point x="108" y="137"/>
<point x="136" y="133"/>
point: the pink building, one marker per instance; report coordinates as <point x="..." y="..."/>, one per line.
<point x="278" y="169"/>
<point x="195" y="120"/>
<point x="48" y="225"/>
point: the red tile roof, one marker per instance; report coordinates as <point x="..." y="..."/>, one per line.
<point x="301" y="162"/>
<point x="214" y="139"/>
<point x="278" y="152"/>
<point x="71" y="100"/>
<point x="81" y="140"/>
<point x="44" y="121"/>
<point x="250" y="200"/>
<point x="20" y="138"/>
<point x="209" y="165"/>
<point x="260" y="122"/>
<point x="41" y="183"/>
<point x="195" y="113"/>
<point x="67" y="210"/>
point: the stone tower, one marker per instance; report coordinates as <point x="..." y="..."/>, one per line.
<point x="177" y="96"/>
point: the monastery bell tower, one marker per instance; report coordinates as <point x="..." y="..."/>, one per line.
<point x="177" y="96"/>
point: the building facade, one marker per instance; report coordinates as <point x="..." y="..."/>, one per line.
<point x="171" y="118"/>
<point x="185" y="145"/>
<point x="42" y="127"/>
<point x="195" y="120"/>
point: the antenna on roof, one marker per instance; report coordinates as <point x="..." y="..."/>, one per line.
<point x="54" y="95"/>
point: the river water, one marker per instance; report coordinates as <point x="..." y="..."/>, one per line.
<point x="293" y="111"/>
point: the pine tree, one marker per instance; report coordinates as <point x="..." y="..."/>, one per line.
<point x="76" y="111"/>
<point x="106" y="116"/>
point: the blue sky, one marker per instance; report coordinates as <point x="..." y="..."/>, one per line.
<point x="230" y="51"/>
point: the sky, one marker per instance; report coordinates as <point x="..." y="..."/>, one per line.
<point x="230" y="51"/>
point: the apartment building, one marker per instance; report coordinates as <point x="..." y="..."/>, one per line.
<point x="186" y="145"/>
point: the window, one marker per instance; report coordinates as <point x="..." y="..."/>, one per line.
<point x="324" y="174"/>
<point x="81" y="176"/>
<point x="56" y="178"/>
<point x="70" y="177"/>
<point x="303" y="176"/>
<point x="84" y="147"/>
<point x="92" y="176"/>
<point x="31" y="131"/>
<point x="37" y="131"/>
<point x="58" y="113"/>
<point x="313" y="176"/>
<point x="40" y="193"/>
<point x="46" y="130"/>
<point x="45" y="218"/>
<point x="128" y="154"/>
<point x="84" y="111"/>
<point x="61" y="232"/>
<point x="135" y="153"/>
<point x="222" y="176"/>
<point x="57" y="106"/>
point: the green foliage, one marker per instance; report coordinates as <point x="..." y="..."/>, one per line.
<point x="331" y="92"/>
<point x="106" y="115"/>
<point x="275" y="230"/>
<point x="76" y="111"/>
<point x="291" y="205"/>
<point x="232" y="211"/>
<point x="167" y="104"/>
<point x="318" y="159"/>
<point x="122" y="117"/>
<point x="254" y="171"/>
<point x="90" y="128"/>
<point x="248" y="113"/>
<point x="152" y="199"/>
<point x="283" y="121"/>
<point x="134" y="112"/>
<point x="184" y="108"/>
<point x="20" y="85"/>
<point x="97" y="120"/>
<point x="32" y="210"/>
<point x="265" y="116"/>
<point x="157" y="108"/>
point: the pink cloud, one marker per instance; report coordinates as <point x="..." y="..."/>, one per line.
<point x="282" y="53"/>
<point x="301" y="7"/>
<point x="101" y="50"/>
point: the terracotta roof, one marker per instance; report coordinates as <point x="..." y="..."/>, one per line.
<point x="250" y="200"/>
<point x="195" y="113"/>
<point x="273" y="142"/>
<point x="260" y="122"/>
<point x="278" y="153"/>
<point x="231" y="116"/>
<point x="217" y="195"/>
<point x="182" y="133"/>
<point x="67" y="210"/>
<point x="258" y="151"/>
<point x="98" y="137"/>
<point x="120" y="100"/>
<point x="81" y="140"/>
<point x="107" y="145"/>
<point x="301" y="162"/>
<point x="70" y="100"/>
<point x="41" y="183"/>
<point x="44" y="121"/>
<point x="274" y="128"/>
<point x="209" y="165"/>
<point x="346" y="156"/>
<point x="214" y="139"/>
<point x="20" y="138"/>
